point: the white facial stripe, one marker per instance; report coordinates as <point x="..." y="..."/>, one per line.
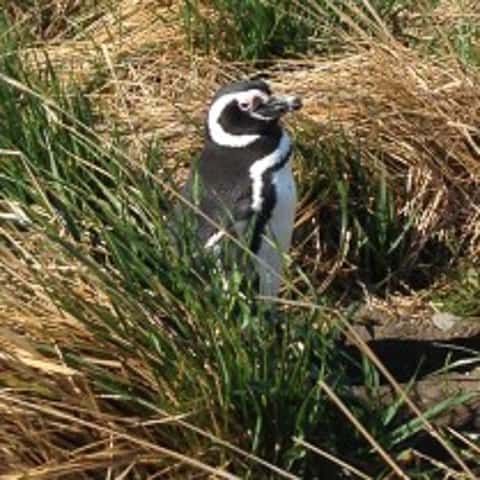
<point x="217" y="133"/>
<point x="260" y="166"/>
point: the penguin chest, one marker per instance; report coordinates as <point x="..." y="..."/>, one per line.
<point x="280" y="225"/>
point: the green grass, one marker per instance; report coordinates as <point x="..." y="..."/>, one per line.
<point x="186" y="344"/>
<point x="465" y="38"/>
<point x="281" y="28"/>
<point x="357" y="205"/>
<point x="168" y="309"/>
<point x="458" y="36"/>
<point x="229" y="28"/>
<point x="288" y="28"/>
<point x="460" y="293"/>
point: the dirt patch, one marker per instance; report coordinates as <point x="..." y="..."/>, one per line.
<point x="443" y="362"/>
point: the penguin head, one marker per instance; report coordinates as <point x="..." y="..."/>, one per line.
<point x="242" y="112"/>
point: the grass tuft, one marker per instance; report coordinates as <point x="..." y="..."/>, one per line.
<point x="124" y="353"/>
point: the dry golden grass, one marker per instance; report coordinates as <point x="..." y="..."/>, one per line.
<point x="428" y="23"/>
<point x="419" y="115"/>
<point x="54" y="423"/>
<point x="143" y="79"/>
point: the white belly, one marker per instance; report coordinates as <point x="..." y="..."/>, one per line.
<point x="278" y="234"/>
<point x="283" y="215"/>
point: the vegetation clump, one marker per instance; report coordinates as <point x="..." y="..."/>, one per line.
<point x="124" y="353"/>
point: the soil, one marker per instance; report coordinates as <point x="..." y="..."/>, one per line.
<point x="432" y="359"/>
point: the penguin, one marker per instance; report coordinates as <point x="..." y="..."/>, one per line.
<point x="243" y="181"/>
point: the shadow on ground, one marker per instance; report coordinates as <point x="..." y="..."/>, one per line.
<point x="408" y="358"/>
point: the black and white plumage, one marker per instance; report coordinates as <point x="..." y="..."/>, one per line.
<point x="245" y="175"/>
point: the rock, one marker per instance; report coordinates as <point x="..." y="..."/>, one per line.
<point x="445" y="320"/>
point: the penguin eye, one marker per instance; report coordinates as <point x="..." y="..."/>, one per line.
<point x="245" y="106"/>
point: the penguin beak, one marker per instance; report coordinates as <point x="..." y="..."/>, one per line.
<point x="275" y="107"/>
